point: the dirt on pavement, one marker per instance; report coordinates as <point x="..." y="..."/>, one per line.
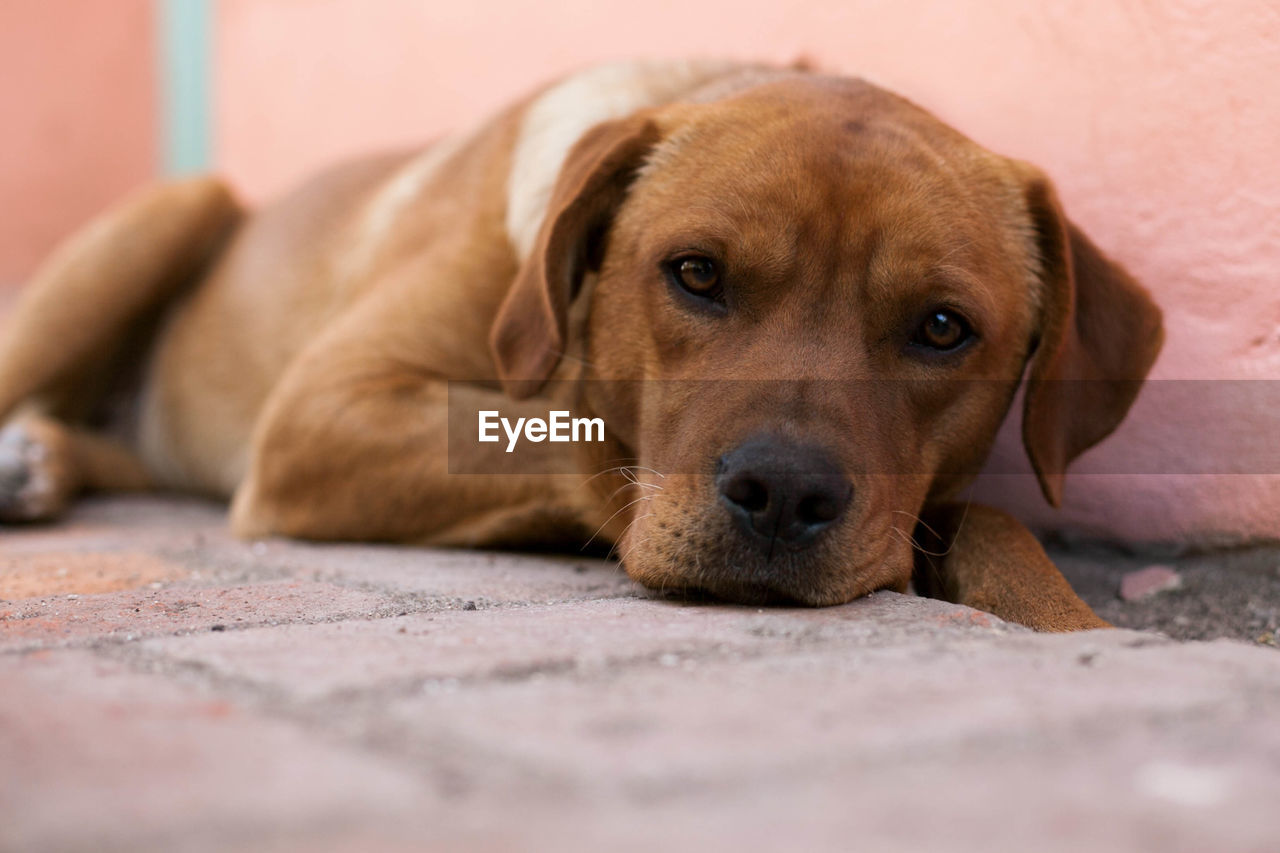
<point x="1224" y="593"/>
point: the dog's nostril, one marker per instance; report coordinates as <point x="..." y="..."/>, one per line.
<point x="819" y="509"/>
<point x="748" y="493"/>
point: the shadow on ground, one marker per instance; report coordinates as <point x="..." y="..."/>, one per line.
<point x="1229" y="593"/>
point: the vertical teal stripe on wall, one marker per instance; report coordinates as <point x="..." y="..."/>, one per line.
<point x="185" y="31"/>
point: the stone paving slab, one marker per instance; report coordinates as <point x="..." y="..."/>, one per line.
<point x="684" y="718"/>
<point x="308" y="661"/>
<point x="75" y="573"/>
<point x="139" y="524"/>
<point x="97" y="756"/>
<point x="459" y="577"/>
<point x="130" y="615"/>
<point x="199" y="693"/>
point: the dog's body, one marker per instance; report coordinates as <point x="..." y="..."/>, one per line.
<point x="682" y="222"/>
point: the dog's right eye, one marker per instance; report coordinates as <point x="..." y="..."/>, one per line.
<point x="696" y="275"/>
<point x="940" y="333"/>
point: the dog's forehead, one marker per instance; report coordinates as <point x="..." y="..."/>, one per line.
<point x="818" y="133"/>
<point x="834" y="166"/>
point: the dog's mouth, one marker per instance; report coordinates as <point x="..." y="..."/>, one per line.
<point x="733" y="592"/>
<point x="705" y="572"/>
<point x="700" y="557"/>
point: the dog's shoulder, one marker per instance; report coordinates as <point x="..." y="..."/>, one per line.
<point x="509" y="163"/>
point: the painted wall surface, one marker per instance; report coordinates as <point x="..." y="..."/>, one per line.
<point x="1159" y="122"/>
<point x="77" y="89"/>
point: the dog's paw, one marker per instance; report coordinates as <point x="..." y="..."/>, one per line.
<point x="32" y="482"/>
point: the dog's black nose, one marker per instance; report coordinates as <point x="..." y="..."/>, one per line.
<point x="782" y="493"/>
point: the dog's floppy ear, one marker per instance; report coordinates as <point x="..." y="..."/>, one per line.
<point x="528" y="335"/>
<point x="1099" y="334"/>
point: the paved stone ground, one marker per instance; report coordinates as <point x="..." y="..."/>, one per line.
<point x="1228" y="593"/>
<point x="163" y="687"/>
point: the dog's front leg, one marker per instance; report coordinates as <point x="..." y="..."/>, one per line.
<point x="353" y="445"/>
<point x="984" y="558"/>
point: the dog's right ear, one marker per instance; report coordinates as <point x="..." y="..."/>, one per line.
<point x="1100" y="333"/>
<point x="528" y="336"/>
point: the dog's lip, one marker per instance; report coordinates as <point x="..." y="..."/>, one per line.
<point x="730" y="591"/>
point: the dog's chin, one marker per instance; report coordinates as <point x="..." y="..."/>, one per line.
<point x="705" y="559"/>
<point x="746" y="593"/>
<point x="759" y="595"/>
<point x="824" y="592"/>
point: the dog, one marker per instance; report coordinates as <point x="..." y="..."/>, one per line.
<point x="800" y="305"/>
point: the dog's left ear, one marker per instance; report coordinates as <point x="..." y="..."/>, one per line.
<point x="1099" y="334"/>
<point x="529" y="333"/>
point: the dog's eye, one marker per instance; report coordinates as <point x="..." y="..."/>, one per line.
<point x="942" y="330"/>
<point x="696" y="274"/>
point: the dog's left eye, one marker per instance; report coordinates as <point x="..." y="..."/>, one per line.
<point x="697" y="275"/>
<point x="942" y="330"/>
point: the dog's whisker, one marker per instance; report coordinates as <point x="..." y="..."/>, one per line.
<point x="631" y="550"/>
<point x="617" y="469"/>
<point x="635" y="546"/>
<point x="615" y="492"/>
<point x="629" y="484"/>
<point x="916" y="545"/>
<point x="918" y="520"/>
<point x="600" y="474"/>
<point x="612" y="517"/>
<point x="631" y="523"/>
<point x="628" y="473"/>
<point x="963" y="517"/>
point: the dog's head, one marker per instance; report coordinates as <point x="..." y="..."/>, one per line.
<point x="828" y="298"/>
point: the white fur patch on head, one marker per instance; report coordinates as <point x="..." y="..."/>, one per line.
<point x="562" y="114"/>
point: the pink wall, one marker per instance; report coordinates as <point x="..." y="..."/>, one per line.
<point x="78" y="93"/>
<point x="1159" y="122"/>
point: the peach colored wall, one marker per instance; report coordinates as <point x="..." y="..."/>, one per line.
<point x="78" y="93"/>
<point x="1159" y="122"/>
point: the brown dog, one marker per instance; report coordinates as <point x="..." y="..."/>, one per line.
<point x="800" y="305"/>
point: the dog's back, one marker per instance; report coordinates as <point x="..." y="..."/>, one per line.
<point x="226" y="344"/>
<point x="234" y="319"/>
